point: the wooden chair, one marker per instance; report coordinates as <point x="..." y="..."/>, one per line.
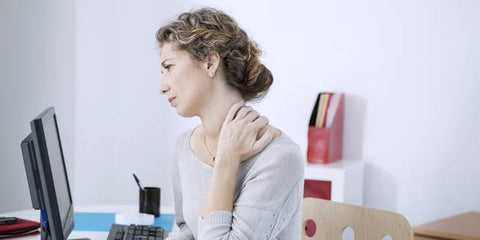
<point x="326" y="220"/>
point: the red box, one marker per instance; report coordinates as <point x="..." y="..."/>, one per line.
<point x="325" y="145"/>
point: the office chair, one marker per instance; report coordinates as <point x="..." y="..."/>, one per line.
<point x="327" y="220"/>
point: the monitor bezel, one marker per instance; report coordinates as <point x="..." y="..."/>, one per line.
<point x="57" y="229"/>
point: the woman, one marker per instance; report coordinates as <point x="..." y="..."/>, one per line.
<point x="235" y="176"/>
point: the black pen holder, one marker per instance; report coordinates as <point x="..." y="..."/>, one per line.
<point x="149" y="201"/>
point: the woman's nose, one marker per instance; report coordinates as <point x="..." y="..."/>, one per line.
<point x="164" y="88"/>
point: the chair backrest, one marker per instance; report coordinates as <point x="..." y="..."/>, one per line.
<point x="326" y="220"/>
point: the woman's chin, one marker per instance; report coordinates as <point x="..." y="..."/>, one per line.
<point x="184" y="113"/>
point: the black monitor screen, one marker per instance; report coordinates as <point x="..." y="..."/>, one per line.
<point x="58" y="169"/>
<point x="47" y="176"/>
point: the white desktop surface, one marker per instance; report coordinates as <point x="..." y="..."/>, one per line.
<point x="34" y="215"/>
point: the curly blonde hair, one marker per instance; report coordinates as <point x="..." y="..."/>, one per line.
<point x="207" y="29"/>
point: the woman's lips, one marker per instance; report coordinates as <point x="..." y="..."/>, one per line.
<point x="171" y="99"/>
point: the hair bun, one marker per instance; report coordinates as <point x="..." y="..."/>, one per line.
<point x="258" y="77"/>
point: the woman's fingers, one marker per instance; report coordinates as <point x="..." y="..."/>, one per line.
<point x="249" y="134"/>
<point x="259" y="123"/>
<point x="262" y="131"/>
<point x="243" y="112"/>
<point x="251" y="116"/>
<point x="233" y="110"/>
<point x="263" y="141"/>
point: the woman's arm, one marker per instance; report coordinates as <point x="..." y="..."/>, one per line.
<point x="222" y="185"/>
<point x="237" y="142"/>
<point x="271" y="196"/>
<point x="269" y="201"/>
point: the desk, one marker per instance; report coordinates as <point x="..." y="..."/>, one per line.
<point x="465" y="226"/>
<point x="34" y="215"/>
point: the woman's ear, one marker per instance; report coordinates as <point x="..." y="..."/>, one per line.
<point x="212" y="64"/>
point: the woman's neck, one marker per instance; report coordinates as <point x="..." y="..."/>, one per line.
<point x="213" y="115"/>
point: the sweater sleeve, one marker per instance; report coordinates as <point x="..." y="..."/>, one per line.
<point x="270" y="197"/>
<point x="184" y="232"/>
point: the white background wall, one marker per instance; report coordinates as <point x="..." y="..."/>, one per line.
<point x="37" y="54"/>
<point x="410" y="71"/>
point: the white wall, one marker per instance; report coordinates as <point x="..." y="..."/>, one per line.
<point x="409" y="70"/>
<point x="123" y="125"/>
<point x="36" y="71"/>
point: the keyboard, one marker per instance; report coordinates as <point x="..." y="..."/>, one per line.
<point x="136" y="232"/>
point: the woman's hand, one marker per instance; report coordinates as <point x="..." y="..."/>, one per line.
<point x="244" y="134"/>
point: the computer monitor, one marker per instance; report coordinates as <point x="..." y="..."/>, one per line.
<point x="47" y="177"/>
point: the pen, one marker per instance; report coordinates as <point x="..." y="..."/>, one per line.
<point x="138" y="181"/>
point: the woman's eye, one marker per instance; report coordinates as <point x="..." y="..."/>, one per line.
<point x="167" y="68"/>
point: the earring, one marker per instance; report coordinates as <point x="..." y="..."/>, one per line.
<point x="210" y="74"/>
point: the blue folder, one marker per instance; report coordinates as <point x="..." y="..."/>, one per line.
<point x="101" y="222"/>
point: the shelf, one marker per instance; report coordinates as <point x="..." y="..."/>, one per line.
<point x="346" y="177"/>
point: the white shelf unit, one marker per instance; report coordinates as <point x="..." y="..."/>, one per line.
<point x="345" y="175"/>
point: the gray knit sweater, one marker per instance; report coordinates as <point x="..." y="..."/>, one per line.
<point x="267" y="197"/>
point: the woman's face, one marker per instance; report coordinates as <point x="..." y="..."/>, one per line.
<point x="184" y="81"/>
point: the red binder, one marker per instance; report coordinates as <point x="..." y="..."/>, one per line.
<point x="20" y="228"/>
<point x="325" y="144"/>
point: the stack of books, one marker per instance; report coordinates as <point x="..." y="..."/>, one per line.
<point x="324" y="109"/>
<point x="325" y="132"/>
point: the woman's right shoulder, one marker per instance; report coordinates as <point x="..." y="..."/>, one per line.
<point x="182" y="139"/>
